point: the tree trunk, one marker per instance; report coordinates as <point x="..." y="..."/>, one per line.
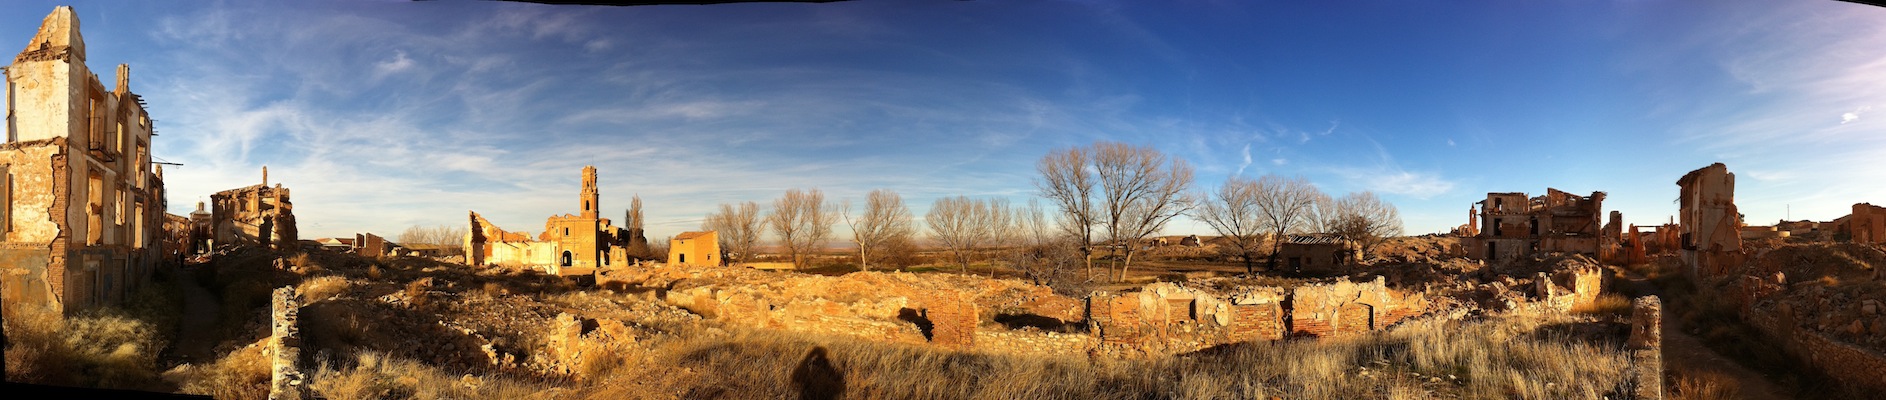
<point x="1127" y="265"/>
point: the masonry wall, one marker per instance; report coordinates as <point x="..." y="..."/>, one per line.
<point x="1851" y="365"/>
<point x="32" y="256"/>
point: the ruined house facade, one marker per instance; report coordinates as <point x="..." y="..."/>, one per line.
<point x="81" y="205"/>
<point x="260" y="215"/>
<point x="697" y="248"/>
<point x="1512" y="225"/>
<point x="1709" y="226"/>
<point x="570" y="244"/>
<point x="1867" y="224"/>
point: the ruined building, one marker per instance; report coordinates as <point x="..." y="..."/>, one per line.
<point x="1709" y="225"/>
<point x="570" y="245"/>
<point x="81" y="206"/>
<point x="257" y="214"/>
<point x="697" y="248"/>
<point x="1867" y="224"/>
<point x="1511" y="225"/>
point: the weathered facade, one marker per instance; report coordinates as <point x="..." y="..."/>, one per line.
<point x="1867" y="224"/>
<point x="697" y="248"/>
<point x="570" y="244"/>
<point x="259" y="215"/>
<point x="81" y="206"/>
<point x="1512" y="225"/>
<point x="1709" y="224"/>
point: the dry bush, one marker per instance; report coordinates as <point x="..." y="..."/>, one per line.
<point x="110" y="347"/>
<point x="1606" y="304"/>
<point x="1702" y="386"/>
<point x="416" y="291"/>
<point x="323" y="287"/>
<point x="378" y="376"/>
<point x="373" y="271"/>
<point x="240" y="374"/>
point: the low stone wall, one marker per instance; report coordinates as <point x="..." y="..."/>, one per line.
<point x="1344" y="307"/>
<point x="1854" y="366"/>
<point x="1646" y="347"/>
<point x="1035" y="343"/>
<point x="287" y="381"/>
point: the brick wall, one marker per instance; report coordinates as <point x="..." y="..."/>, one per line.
<point x="1857" y="367"/>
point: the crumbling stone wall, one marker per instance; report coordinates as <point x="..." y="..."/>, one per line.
<point x="287" y="381"/>
<point x="82" y="207"/>
<point x="1852" y="365"/>
<point x="952" y="319"/>
<point x="1710" y="238"/>
<point x="1344" y="307"/>
<point x="1646" y="347"/>
<point x="575" y="341"/>
<point x="258" y="214"/>
<point x="1516" y="225"/>
<point x="571" y="244"/>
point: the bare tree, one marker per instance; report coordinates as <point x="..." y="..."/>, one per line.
<point x="885" y="219"/>
<point x="1040" y="253"/>
<point x="1365" y="218"/>
<point x="1067" y="182"/>
<point x="803" y="221"/>
<point x="1323" y="215"/>
<point x="739" y="228"/>
<point x="1233" y="211"/>
<point x="1285" y="205"/>
<point x="635" y="243"/>
<point x="954" y="224"/>
<point x="1142" y="189"/>
<point x="996" y="223"/>
<point x="441" y="235"/>
<point x="659" y="249"/>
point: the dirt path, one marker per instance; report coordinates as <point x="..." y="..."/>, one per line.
<point x="1687" y="355"/>
<point x="195" y="343"/>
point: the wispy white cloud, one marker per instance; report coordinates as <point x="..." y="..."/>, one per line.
<point x="395" y="65"/>
<point x="1246" y="162"/>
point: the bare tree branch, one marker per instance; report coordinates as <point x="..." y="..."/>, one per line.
<point x="739" y="228"/>
<point x="803" y="221"/>
<point x="885" y="220"/>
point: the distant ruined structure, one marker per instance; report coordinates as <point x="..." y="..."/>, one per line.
<point x="1510" y="225"/>
<point x="1708" y="221"/>
<point x="257" y="214"/>
<point x="81" y="206"/>
<point x="570" y="245"/>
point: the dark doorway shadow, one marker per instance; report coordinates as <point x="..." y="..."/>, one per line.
<point x="919" y="318"/>
<point x="816" y="378"/>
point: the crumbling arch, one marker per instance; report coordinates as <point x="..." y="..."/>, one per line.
<point x="565" y="261"/>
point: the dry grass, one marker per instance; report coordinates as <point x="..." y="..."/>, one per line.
<point x="377" y="376"/>
<point x="1703" y="386"/>
<point x="319" y="288"/>
<point x="1490" y="359"/>
<point x="1606" y="304"/>
<point x="416" y="291"/>
<point x="241" y="374"/>
<point x="111" y="347"/>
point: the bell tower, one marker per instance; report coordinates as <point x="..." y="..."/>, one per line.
<point x="589" y="192"/>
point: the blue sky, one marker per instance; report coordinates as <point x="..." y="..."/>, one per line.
<point x="382" y="115"/>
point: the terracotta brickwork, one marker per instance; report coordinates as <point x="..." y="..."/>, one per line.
<point x="81" y="205"/>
